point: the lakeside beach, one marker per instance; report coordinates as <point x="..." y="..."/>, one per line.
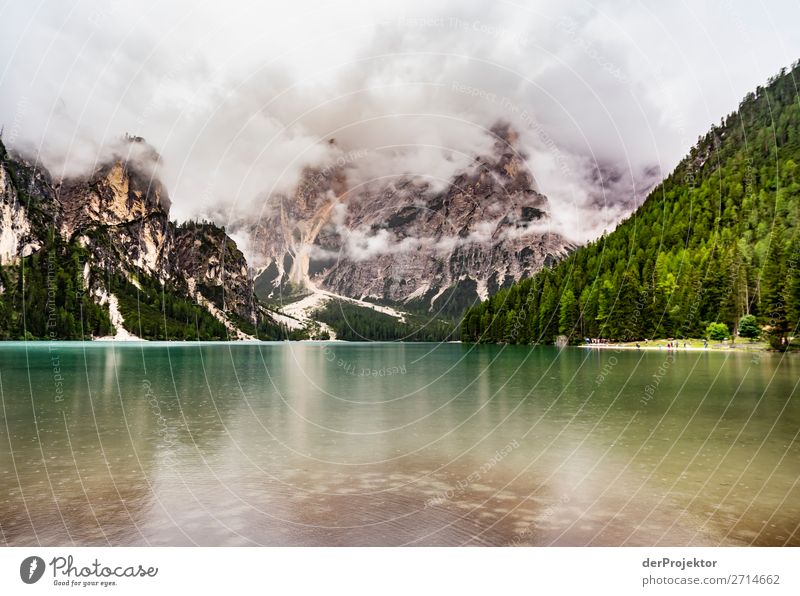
<point x="693" y="345"/>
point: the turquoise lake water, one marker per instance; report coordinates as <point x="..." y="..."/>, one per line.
<point x="395" y="444"/>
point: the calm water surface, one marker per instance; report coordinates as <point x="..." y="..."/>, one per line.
<point x="395" y="444"/>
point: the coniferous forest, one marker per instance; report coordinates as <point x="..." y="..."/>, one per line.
<point x="716" y="243"/>
<point x="44" y="296"/>
<point x="356" y="323"/>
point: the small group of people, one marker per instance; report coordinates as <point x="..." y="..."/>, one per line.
<point x="674" y="345"/>
<point x="671" y="344"/>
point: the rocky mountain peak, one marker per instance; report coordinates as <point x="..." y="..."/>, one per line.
<point x="123" y="188"/>
<point x="402" y="241"/>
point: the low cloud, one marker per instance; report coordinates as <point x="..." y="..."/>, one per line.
<point x="239" y="99"/>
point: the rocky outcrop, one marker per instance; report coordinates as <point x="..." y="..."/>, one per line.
<point x="27" y="207"/>
<point x="122" y="190"/>
<point x="122" y="212"/>
<point x="204" y="254"/>
<point x="290" y="231"/>
<point x="15" y="227"/>
<point x="406" y="242"/>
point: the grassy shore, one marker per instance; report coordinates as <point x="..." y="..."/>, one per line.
<point x="741" y="345"/>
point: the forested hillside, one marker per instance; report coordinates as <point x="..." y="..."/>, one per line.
<point x="356" y="323"/>
<point x="43" y="296"/>
<point x="717" y="240"/>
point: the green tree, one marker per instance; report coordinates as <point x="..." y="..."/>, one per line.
<point x="748" y="327"/>
<point x="568" y="314"/>
<point x="625" y="320"/>
<point x="548" y="314"/>
<point x="773" y="292"/>
<point x="605" y="305"/>
<point x="717" y="331"/>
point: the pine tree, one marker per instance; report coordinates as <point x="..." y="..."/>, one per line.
<point x="773" y="292"/>
<point x="568" y="314"/>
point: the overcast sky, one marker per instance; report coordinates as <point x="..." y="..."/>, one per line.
<point x="239" y="96"/>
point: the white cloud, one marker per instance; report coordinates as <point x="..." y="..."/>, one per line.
<point x="239" y="96"/>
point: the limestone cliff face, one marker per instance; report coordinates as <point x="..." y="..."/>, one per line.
<point x="407" y="242"/>
<point x="293" y="228"/>
<point x="122" y="211"/>
<point x="118" y="192"/>
<point x="27" y="206"/>
<point x="15" y="226"/>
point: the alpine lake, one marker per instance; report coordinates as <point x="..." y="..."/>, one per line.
<point x="383" y="444"/>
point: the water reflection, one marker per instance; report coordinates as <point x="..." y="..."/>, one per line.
<point x="289" y="444"/>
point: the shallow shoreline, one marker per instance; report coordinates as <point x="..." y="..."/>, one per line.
<point x="658" y="348"/>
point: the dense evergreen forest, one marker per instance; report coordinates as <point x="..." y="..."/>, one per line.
<point x="153" y="311"/>
<point x="358" y="323"/>
<point x="43" y="296"/>
<point x="717" y="241"/>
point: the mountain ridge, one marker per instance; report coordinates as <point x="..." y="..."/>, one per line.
<point x="402" y="241"/>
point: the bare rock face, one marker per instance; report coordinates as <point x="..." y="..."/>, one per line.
<point x="15" y="226"/>
<point x="209" y="260"/>
<point x="405" y="242"/>
<point x="122" y="211"/>
<point x="27" y="207"/>
<point x="121" y="191"/>
<point x="288" y="232"/>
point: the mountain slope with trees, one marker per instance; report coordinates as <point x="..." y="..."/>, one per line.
<point x="716" y="241"/>
<point x="98" y="256"/>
